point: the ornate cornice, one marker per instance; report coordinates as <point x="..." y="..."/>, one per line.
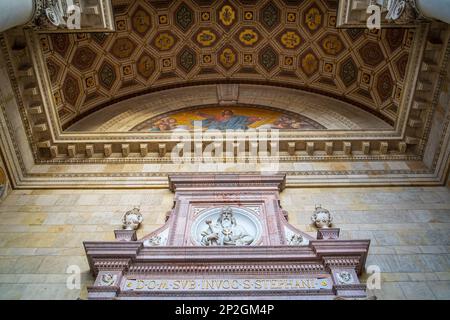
<point x="185" y="182"/>
<point x="312" y="258"/>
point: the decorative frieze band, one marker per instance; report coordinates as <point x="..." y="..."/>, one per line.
<point x="342" y="262"/>
<point x="227" y="268"/>
<point x="111" y="264"/>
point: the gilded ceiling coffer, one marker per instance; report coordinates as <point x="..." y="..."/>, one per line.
<point x="229" y="236"/>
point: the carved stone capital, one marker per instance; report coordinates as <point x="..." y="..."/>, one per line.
<point x="328" y="234"/>
<point x="125" y="235"/>
<point x="341" y="262"/>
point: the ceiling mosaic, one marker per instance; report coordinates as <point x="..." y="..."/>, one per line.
<point x="229" y="118"/>
<point x="165" y="43"/>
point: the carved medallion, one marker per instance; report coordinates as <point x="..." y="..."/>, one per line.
<point x="61" y="43"/>
<point x="248" y="15"/>
<point x="344" y="277"/>
<point x="227" y="15"/>
<point x="141" y="21"/>
<point x="227" y="58"/>
<point x="248" y="37"/>
<point x="309" y="63"/>
<point x="332" y="44"/>
<point x="107" y="75"/>
<point x="270" y="16"/>
<point x="291" y="17"/>
<point x="163" y="19"/>
<point x="268" y="58"/>
<point x="290" y="39"/>
<point x="313" y="19"/>
<point x="385" y="85"/>
<point x="207" y="58"/>
<point x="164" y="41"/>
<point x="123" y="48"/>
<point x="71" y="89"/>
<point x="349" y="72"/>
<point x="205" y="16"/>
<point x="90" y="82"/>
<point x="184" y="17"/>
<point x="206" y="38"/>
<point x="83" y="58"/>
<point x="226" y="226"/>
<point x="371" y="54"/>
<point x="108" y="279"/>
<point x="187" y="59"/>
<point x="146" y="66"/>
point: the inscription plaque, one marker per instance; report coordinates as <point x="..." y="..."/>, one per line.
<point x="228" y="284"/>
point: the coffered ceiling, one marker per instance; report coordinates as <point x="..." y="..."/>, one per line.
<point x="166" y="56"/>
<point x="159" y="44"/>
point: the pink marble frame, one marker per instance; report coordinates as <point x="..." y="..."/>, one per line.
<point x="324" y="257"/>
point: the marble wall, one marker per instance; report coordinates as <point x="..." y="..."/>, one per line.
<point x="41" y="234"/>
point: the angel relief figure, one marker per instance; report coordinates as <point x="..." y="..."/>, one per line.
<point x="226" y="231"/>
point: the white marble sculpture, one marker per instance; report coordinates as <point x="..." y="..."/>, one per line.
<point x="225" y="231"/>
<point x="132" y="219"/>
<point x="322" y="217"/>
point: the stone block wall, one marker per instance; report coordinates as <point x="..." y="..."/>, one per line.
<point x="41" y="234"/>
<point x="409" y="229"/>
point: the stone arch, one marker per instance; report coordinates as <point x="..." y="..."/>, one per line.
<point x="328" y="112"/>
<point x="4" y="183"/>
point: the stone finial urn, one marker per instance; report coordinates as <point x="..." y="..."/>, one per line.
<point x="132" y="219"/>
<point x="322" y="217"/>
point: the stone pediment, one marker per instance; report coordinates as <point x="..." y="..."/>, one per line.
<point x="249" y="200"/>
<point x="227" y="236"/>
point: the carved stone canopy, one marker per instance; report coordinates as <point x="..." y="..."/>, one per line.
<point x="227" y="237"/>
